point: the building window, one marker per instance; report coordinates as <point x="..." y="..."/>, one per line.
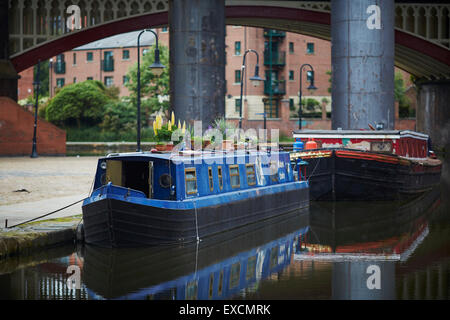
<point x="310" y="48"/>
<point x="191" y="181"/>
<point x="237" y="76"/>
<point x="164" y="29"/>
<point x="74" y="59"/>
<point x="60" y="82"/>
<point x="291" y="104"/>
<point x="271" y="109"/>
<point x="89" y="78"/>
<point x="234" y="176"/>
<point x="74" y="79"/>
<point x="251" y="177"/>
<point x="108" y="81"/>
<point x="125" y="80"/>
<point x="237" y="105"/>
<point x="126" y="54"/>
<point x="144" y="51"/>
<point x="291" y="47"/>
<point x="237" y="48"/>
<point x="210" y="178"/>
<point x="89" y="56"/>
<point x="291" y="74"/>
<point x="219" y="173"/>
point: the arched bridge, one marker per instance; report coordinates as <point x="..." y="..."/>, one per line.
<point x="38" y="30"/>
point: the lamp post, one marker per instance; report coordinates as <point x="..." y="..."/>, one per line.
<point x="36" y="84"/>
<point x="157" y="69"/>
<point x="255" y="80"/>
<point x="50" y="71"/>
<point x="311" y="87"/>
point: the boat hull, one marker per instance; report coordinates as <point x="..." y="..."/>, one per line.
<point x="360" y="175"/>
<point x="110" y="222"/>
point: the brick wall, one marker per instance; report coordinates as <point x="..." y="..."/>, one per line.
<point x="16" y="132"/>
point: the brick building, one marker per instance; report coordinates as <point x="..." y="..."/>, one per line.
<point x="280" y="56"/>
<point x="107" y="60"/>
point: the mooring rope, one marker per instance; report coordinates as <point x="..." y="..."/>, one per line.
<point x="47" y="214"/>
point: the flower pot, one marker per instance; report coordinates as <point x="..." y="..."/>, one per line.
<point x="227" y="145"/>
<point x="164" y="147"/>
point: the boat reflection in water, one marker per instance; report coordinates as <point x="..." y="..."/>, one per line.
<point x="216" y="268"/>
<point x="360" y="247"/>
<point x="365" y="244"/>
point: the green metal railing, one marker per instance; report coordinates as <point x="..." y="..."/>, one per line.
<point x="274" y="33"/>
<point x="278" y="58"/>
<point x="278" y="87"/>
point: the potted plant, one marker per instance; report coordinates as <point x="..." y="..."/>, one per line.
<point x="163" y="133"/>
<point x="225" y="128"/>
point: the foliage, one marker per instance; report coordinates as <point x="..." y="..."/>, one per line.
<point x="163" y="131"/>
<point x="43" y="78"/>
<point x="310" y="104"/>
<point x="97" y="134"/>
<point x="329" y="80"/>
<point x="119" y="117"/>
<point x="152" y="86"/>
<point x="80" y="103"/>
<point x="223" y="126"/>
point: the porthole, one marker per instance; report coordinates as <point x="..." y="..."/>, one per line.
<point x="165" y="180"/>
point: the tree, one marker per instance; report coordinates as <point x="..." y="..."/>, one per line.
<point x="400" y="96"/>
<point x="152" y="86"/>
<point x="80" y="103"/>
<point x="43" y="78"/>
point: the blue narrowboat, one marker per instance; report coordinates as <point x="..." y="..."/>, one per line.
<point x="148" y="198"/>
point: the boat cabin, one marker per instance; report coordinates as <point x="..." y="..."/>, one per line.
<point x="408" y="144"/>
<point x="166" y="176"/>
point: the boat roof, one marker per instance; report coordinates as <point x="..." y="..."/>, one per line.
<point x="359" y="134"/>
<point x="189" y="154"/>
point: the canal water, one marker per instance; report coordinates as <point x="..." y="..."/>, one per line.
<point x="381" y="250"/>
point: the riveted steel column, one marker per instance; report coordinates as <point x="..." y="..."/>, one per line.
<point x="197" y="59"/>
<point x="433" y="112"/>
<point x="362" y="57"/>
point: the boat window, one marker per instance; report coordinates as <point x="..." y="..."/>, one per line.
<point x="210" y="176"/>
<point x="251" y="268"/>
<point x="192" y="290"/>
<point x="235" y="274"/>
<point x="219" y="289"/>
<point x="234" y="176"/>
<point x="191" y="181"/>
<point x="251" y="177"/>
<point x="219" y="173"/>
<point x="211" y="285"/>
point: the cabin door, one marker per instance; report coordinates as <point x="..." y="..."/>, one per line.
<point x="150" y="179"/>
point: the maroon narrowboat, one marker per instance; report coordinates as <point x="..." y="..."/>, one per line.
<point x="366" y="165"/>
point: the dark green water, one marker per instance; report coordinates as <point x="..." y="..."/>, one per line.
<point x="331" y="251"/>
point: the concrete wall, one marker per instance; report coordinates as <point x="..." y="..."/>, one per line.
<point x="16" y="132"/>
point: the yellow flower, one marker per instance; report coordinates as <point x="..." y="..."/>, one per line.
<point x="173" y="119"/>
<point x="184" y="127"/>
<point x="155" y="130"/>
<point x="169" y="126"/>
<point x="179" y="124"/>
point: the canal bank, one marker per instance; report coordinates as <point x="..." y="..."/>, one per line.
<point x="31" y="188"/>
<point x="33" y="237"/>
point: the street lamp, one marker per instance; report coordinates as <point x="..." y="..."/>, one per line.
<point x="311" y="87"/>
<point x="157" y="68"/>
<point x="36" y="84"/>
<point x="255" y="79"/>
